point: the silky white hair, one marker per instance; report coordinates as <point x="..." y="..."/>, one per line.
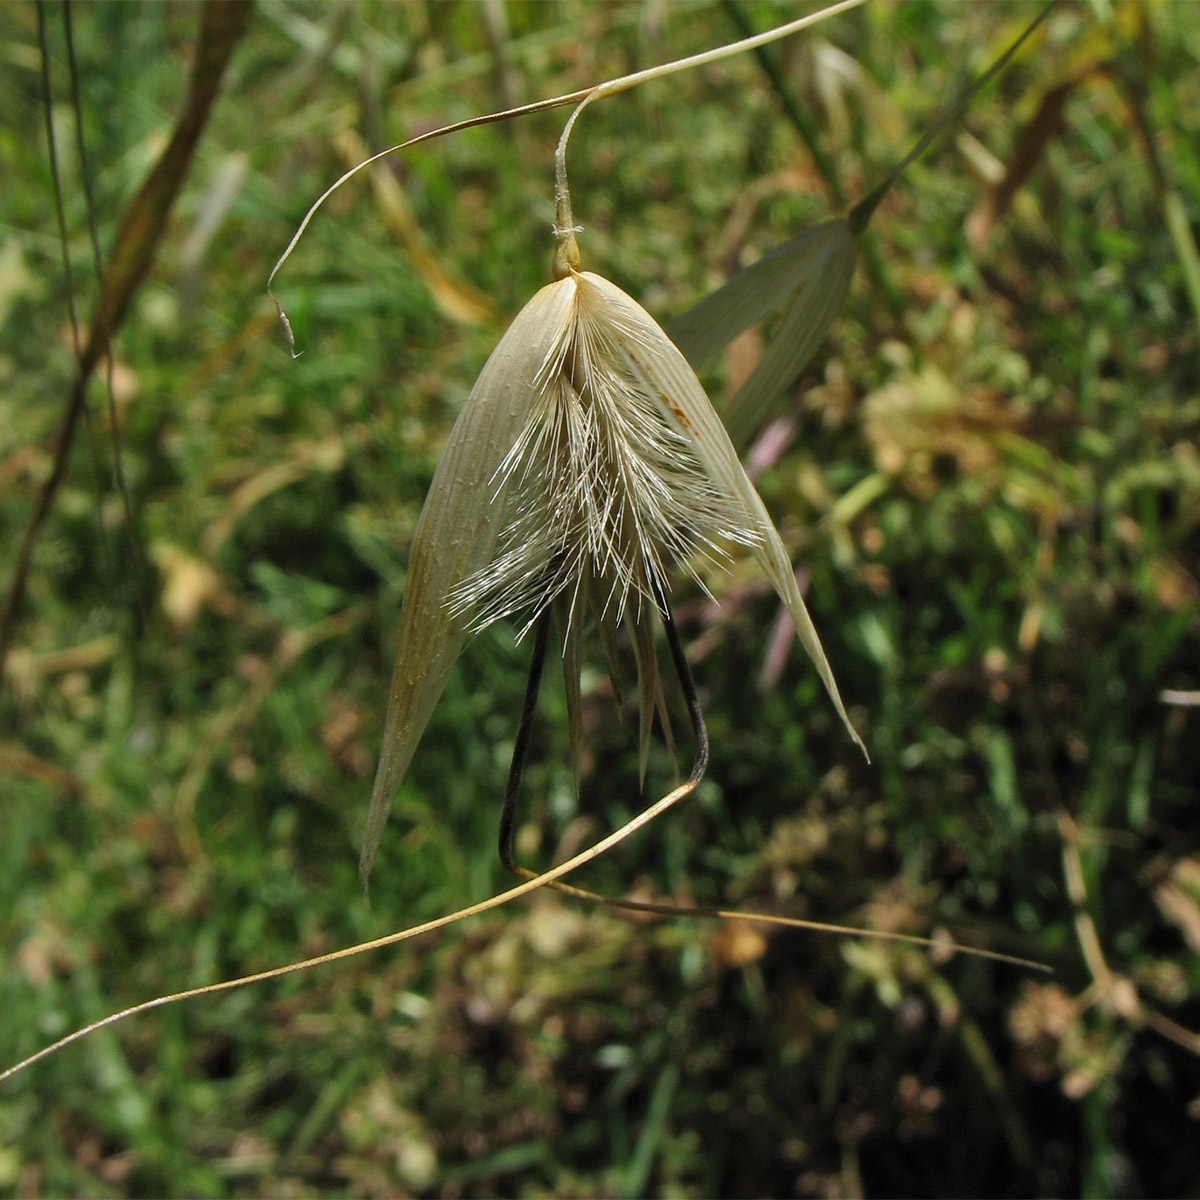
<point x="603" y="481"/>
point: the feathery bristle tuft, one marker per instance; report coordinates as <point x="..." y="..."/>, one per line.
<point x="603" y="479"/>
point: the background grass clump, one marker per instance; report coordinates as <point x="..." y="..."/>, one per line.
<point x="990" y="479"/>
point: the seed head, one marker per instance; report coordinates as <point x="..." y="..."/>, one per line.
<point x="585" y="464"/>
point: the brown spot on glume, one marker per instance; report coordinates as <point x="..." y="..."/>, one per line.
<point x="679" y="413"/>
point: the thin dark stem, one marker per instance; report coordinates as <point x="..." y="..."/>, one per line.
<point x="85" y="176"/>
<point x="68" y="272"/>
<point x="86" y="179"/>
<point x="700" y="762"/>
<point x="521" y="746"/>
<point x="805" y="126"/>
<point x="48" y="108"/>
<point x="873" y="264"/>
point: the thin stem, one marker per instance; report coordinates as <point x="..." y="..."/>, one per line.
<point x="48" y="109"/>
<point x="700" y="762"/>
<point x="521" y="745"/>
<point x="469" y="123"/>
<point x="795" y="113"/>
<point x="566" y="255"/>
<point x="613" y="86"/>
<point x="563" y="253"/>
<point x="68" y="272"/>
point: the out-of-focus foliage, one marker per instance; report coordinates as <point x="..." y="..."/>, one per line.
<point x="991" y="483"/>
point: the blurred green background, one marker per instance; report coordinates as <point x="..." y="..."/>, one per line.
<point x="990" y="477"/>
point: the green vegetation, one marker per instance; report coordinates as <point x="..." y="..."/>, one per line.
<point x="990" y="479"/>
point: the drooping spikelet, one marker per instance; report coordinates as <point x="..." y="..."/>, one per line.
<point x="585" y="463"/>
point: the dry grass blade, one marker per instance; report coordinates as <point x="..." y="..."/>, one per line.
<point x="1046" y="124"/>
<point x="142" y="223"/>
